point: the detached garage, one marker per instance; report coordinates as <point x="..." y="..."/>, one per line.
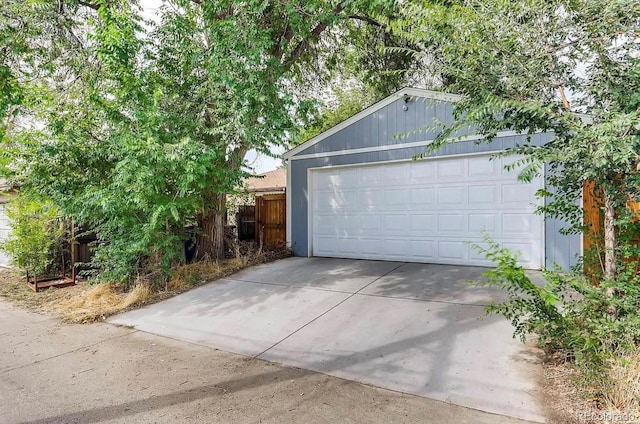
<point x="355" y="191"/>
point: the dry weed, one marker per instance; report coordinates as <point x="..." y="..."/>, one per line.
<point x="84" y="302"/>
<point x="93" y="303"/>
<point x="194" y="274"/>
<point x="622" y="393"/>
<point x="190" y="275"/>
<point x="566" y="404"/>
<point x="139" y="295"/>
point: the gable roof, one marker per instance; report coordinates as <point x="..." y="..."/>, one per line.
<point x="275" y="180"/>
<point x="407" y="91"/>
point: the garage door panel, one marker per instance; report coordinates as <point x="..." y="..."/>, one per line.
<point x="451" y="223"/>
<point x="323" y="201"/>
<point x="371" y="247"/>
<point x="395" y="199"/>
<point x="450" y="169"/>
<point x="368" y="199"/>
<point x="423" y="196"/>
<point x="322" y="181"/>
<point x="452" y="250"/>
<point x="422" y="223"/>
<point x="324" y="224"/>
<point x="516" y="193"/>
<point x="324" y="245"/>
<point x="336" y="201"/>
<point x="371" y="224"/>
<point x="428" y="211"/>
<point x="394" y="223"/>
<point x="347" y="224"/>
<point x="346" y="178"/>
<point x="370" y="177"/>
<point x="342" y="178"/>
<point x="398" y="177"/>
<point x="348" y="246"/>
<point x="481" y="167"/>
<point x="483" y="195"/>
<point x="452" y="196"/>
<point x="479" y="222"/>
<point x="427" y="250"/>
<point x="520" y="223"/>
<point x="395" y="248"/>
<point x="421" y="172"/>
<point x="422" y="250"/>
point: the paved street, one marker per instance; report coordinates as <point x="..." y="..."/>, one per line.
<point x="56" y="373"/>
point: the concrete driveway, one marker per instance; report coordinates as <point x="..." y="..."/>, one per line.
<point x="413" y="328"/>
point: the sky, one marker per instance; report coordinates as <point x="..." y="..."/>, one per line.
<point x="258" y="163"/>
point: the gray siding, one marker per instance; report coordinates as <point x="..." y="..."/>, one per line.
<point x="561" y="250"/>
<point x="379" y="129"/>
<point x="384" y="126"/>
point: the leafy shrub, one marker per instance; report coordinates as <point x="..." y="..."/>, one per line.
<point x="35" y="234"/>
<point x="590" y="324"/>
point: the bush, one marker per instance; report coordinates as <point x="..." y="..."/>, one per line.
<point x="590" y="324"/>
<point x="35" y="234"/>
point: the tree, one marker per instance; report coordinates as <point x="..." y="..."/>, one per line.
<point x="529" y="66"/>
<point x="137" y="129"/>
<point x="347" y="104"/>
<point x="225" y="68"/>
<point x="34" y="235"/>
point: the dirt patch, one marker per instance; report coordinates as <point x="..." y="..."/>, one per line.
<point x="561" y="398"/>
<point x="565" y="403"/>
<point x="86" y="302"/>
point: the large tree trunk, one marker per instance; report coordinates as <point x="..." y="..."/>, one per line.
<point x="210" y="239"/>
<point x="609" y="237"/>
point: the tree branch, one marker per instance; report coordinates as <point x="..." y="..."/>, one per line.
<point x="287" y="35"/>
<point x="368" y="20"/>
<point x="563" y="97"/>
<point x="89" y="5"/>
<point x="303" y="45"/>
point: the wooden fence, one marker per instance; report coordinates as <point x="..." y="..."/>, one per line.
<point x="271" y="220"/>
<point x="593" y="237"/>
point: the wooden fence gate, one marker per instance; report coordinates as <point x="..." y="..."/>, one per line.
<point x="271" y="219"/>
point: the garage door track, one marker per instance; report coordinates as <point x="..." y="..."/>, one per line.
<point x="414" y="328"/>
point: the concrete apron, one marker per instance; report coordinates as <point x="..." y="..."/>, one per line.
<point x="414" y="328"/>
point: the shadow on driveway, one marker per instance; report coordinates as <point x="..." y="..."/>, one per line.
<point x="413" y="328"/>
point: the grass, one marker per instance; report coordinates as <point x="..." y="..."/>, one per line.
<point x="90" y="304"/>
<point x="619" y="393"/>
<point x="622" y="390"/>
<point x="85" y="303"/>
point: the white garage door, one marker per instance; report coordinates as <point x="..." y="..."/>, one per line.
<point x="424" y="211"/>
<point x="4" y="232"/>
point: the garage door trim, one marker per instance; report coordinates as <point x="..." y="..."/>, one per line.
<point x="312" y="171"/>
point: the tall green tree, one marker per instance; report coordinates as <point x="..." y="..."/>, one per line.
<point x="138" y="128"/>
<point x="533" y="66"/>
<point x="226" y="70"/>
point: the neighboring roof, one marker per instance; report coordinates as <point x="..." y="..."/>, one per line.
<point x="407" y="91"/>
<point x="275" y="180"/>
